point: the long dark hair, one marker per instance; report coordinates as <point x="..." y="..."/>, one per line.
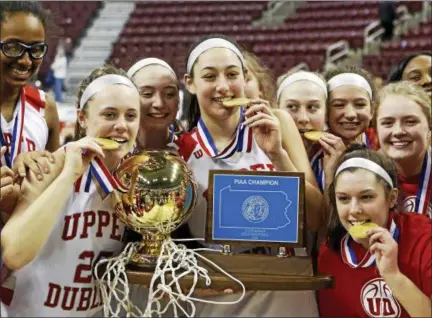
<point x="396" y="72"/>
<point x="192" y="109"/>
<point x="335" y="230"/>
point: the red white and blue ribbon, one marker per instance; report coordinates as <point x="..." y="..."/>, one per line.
<point x="425" y="185"/>
<point x="241" y="142"/>
<point x="317" y="164"/>
<point x="366" y="140"/>
<point x="348" y="255"/>
<point x="17" y="133"/>
<point x="106" y="180"/>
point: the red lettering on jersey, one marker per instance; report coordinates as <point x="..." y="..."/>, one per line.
<point x="89" y="221"/>
<point x="198" y="154"/>
<point x="103" y="221"/>
<point x="258" y="166"/>
<point x="71" y="304"/>
<point x="53" y="297"/>
<point x="27" y="145"/>
<point x="66" y="230"/>
<point x="96" y="301"/>
<point x="85" y="296"/>
<point x="81" y="269"/>
<point x="375" y="307"/>
<point x="115" y="230"/>
<point x="270" y="166"/>
<point x="84" y="302"/>
<point x="31" y="146"/>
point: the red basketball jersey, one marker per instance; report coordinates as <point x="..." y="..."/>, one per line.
<point x="361" y="292"/>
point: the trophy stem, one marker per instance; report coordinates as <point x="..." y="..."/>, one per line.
<point x="148" y="251"/>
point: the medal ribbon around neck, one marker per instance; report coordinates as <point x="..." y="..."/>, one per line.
<point x="241" y="142"/>
<point x="17" y="133"/>
<point x="365" y="140"/>
<point x="106" y="180"/>
<point x="424" y="191"/>
<point x="317" y="163"/>
<point x="348" y="255"/>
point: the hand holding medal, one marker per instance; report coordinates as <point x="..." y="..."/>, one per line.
<point x="265" y="125"/>
<point x="385" y="248"/>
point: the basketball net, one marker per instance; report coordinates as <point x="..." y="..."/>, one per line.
<point x="164" y="292"/>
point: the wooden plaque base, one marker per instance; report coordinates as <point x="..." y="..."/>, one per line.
<point x="256" y="272"/>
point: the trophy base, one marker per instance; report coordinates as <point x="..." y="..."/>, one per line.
<point x="148" y="251"/>
<point x="256" y="272"/>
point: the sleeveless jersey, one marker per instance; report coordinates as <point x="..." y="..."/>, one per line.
<point x="277" y="304"/>
<point x="35" y="131"/>
<point x="59" y="281"/>
<point x="361" y="292"/>
<point x="192" y="152"/>
<point x="409" y="194"/>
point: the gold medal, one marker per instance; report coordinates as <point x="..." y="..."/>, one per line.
<point x="358" y="231"/>
<point x="236" y="102"/>
<point x="108" y="144"/>
<point x="314" y="135"/>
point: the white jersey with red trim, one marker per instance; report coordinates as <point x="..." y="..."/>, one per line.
<point x="35" y="132"/>
<point x="59" y="282"/>
<point x="255" y="303"/>
<point x="192" y="152"/>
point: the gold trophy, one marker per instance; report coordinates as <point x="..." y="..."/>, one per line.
<point x="162" y="194"/>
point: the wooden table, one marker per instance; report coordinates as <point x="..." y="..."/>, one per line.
<point x="256" y="272"/>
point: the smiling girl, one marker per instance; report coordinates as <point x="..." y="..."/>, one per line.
<point x="29" y="119"/>
<point x="404" y="132"/>
<point x="63" y="224"/>
<point x="159" y="90"/>
<point x="240" y="138"/>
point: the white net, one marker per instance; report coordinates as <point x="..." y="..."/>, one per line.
<point x="165" y="293"/>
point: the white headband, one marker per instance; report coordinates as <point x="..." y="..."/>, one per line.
<point x="100" y="83"/>
<point x="365" y="164"/>
<point x="349" y="79"/>
<point x="210" y="44"/>
<point x="300" y="76"/>
<point x="148" y="61"/>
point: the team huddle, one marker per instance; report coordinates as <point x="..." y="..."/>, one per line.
<point x="365" y="153"/>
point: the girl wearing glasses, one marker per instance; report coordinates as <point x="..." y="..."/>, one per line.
<point x="29" y="119"/>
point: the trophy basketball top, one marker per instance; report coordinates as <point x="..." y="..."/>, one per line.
<point x="161" y="192"/>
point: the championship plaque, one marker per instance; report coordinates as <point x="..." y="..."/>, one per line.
<point x="256" y="208"/>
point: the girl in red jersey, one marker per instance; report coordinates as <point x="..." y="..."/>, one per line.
<point x="387" y="272"/>
<point x="29" y="119"/>
<point x="404" y="129"/>
<point x="350" y="105"/>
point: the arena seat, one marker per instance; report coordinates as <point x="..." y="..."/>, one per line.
<point x="419" y="39"/>
<point x="70" y="19"/>
<point x="167" y="28"/>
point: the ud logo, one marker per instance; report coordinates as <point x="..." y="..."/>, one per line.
<point x="408" y="205"/>
<point x="378" y="301"/>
